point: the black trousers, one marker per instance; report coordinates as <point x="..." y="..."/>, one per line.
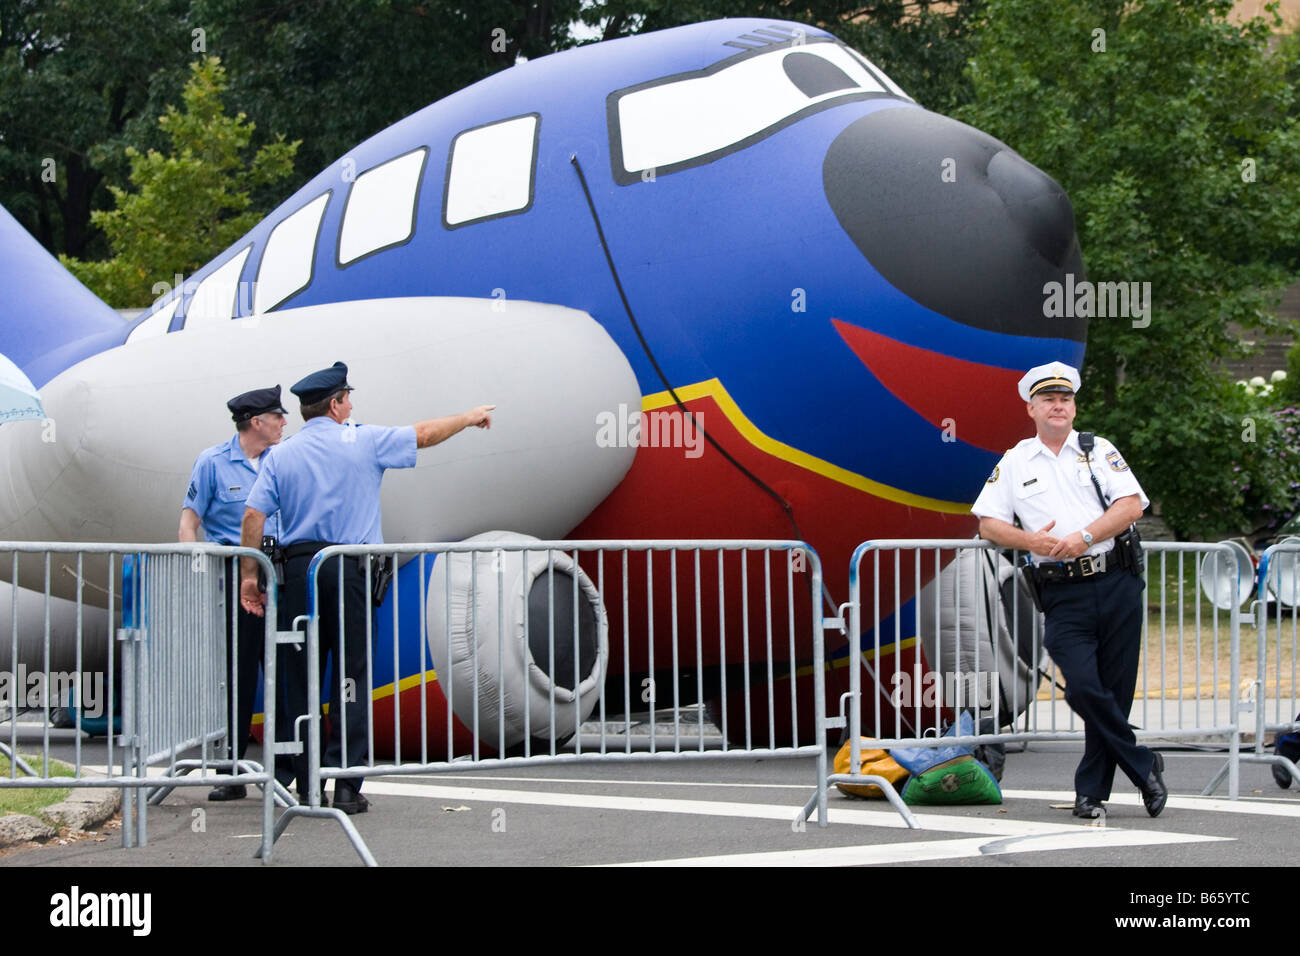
<point x="349" y="713"/>
<point x="1093" y="632"/>
<point x="245" y="641"/>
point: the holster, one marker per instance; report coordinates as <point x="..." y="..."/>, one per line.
<point x="383" y="576"/>
<point x="1128" y="551"/>
<point x="271" y="548"/>
<point x="1033" y="584"/>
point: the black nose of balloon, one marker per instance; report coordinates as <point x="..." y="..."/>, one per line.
<point x="955" y="220"/>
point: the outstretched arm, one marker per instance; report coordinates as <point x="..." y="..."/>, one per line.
<point x="431" y="431"/>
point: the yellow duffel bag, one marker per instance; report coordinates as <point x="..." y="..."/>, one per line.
<point x="873" y="761"/>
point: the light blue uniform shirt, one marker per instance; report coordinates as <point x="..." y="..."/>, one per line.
<point x="325" y="480"/>
<point x="219" y="485"/>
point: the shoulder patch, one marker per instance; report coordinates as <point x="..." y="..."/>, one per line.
<point x="993" y="478"/>
<point x="1115" y="461"/>
<point x="192" y="493"/>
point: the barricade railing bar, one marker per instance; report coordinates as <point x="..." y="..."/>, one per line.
<point x="512" y="651"/>
<point x="1274" y="694"/>
<point x="128" y="642"/>
<point x="942" y="627"/>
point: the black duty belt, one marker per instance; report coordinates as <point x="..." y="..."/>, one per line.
<point x="303" y="548"/>
<point x="1088" y="566"/>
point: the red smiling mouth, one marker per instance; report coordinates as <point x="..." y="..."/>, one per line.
<point x="978" y="402"/>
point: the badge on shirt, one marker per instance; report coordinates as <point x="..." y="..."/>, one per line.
<point x="192" y="493"/>
<point x="1082" y="459"/>
<point x="992" y="479"/>
<point x="1026" y="484"/>
<point x="1116" y="462"/>
<point x="233" y="488"/>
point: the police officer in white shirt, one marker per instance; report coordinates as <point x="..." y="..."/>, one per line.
<point x="1091" y="593"/>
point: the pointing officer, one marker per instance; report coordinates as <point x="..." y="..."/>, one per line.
<point x="222" y="478"/>
<point x="324" y="482"/>
<point x="1091" y="591"/>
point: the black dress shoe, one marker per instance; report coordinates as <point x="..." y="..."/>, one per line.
<point x="1089" y="808"/>
<point x="1155" y="793"/>
<point x="349" y="800"/>
<point x="230" y="791"/>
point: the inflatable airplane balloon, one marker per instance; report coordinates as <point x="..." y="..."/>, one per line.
<point x="841" y="286"/>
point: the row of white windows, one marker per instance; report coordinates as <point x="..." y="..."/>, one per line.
<point x="491" y="170"/>
<point x="490" y="174"/>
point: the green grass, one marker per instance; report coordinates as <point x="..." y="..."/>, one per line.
<point x="32" y="801"/>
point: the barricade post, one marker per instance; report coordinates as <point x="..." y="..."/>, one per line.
<point x="1275" y="698"/>
<point x="510" y="661"/>
<point x="168" y="652"/>
<point x="933" y="604"/>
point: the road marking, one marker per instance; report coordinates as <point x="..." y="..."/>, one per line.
<point x="809" y="787"/>
<point x="1203" y="804"/>
<point x="1078" y="838"/>
<point x="985" y="826"/>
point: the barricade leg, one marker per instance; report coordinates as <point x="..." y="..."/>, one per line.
<point x="16" y="760"/>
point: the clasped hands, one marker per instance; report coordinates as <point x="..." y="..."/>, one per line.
<point x="1050" y="546"/>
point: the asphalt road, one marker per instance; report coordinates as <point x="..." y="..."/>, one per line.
<point x="734" y="812"/>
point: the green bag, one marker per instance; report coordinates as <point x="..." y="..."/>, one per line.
<point x="962" y="780"/>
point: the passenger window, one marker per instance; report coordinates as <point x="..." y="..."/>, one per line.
<point x="491" y="171"/>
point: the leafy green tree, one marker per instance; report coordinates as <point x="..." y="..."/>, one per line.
<point x="923" y="46"/>
<point x="189" y="204"/>
<point x="334" y="72"/>
<point x="1174" y="133"/>
<point x="80" y="80"/>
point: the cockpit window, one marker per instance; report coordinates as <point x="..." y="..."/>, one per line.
<point x="214" y="300"/>
<point x="490" y="171"/>
<point x="380" y="208"/>
<point x="286" y="266"/>
<point x="694" y="118"/>
<point x="157" y="323"/>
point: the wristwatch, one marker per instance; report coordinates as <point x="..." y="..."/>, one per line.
<point x="1087" y="538"/>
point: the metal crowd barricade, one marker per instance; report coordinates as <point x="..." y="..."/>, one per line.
<point x="143" y="626"/>
<point x="942" y="627"/>
<point x="736" y="624"/>
<point x="1273" y="689"/>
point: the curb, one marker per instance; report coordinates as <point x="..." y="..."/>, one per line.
<point x="84" y="809"/>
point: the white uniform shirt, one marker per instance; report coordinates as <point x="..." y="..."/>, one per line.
<point x="1039" y="487"/>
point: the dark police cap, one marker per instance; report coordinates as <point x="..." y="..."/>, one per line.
<point x="319" y="386"/>
<point x="259" y="401"/>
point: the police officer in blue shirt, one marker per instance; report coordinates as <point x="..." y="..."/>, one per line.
<point x="219" y="485"/>
<point x="324" y="482"/>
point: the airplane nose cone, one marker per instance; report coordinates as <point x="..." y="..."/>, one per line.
<point x="955" y="219"/>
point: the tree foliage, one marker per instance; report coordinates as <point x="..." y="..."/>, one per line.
<point x="189" y="204"/>
<point x="922" y="45"/>
<point x="334" y="72"/>
<point x="1174" y="133"/>
<point x="80" y="80"/>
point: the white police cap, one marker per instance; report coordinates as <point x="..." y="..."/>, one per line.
<point x="1052" y="377"/>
